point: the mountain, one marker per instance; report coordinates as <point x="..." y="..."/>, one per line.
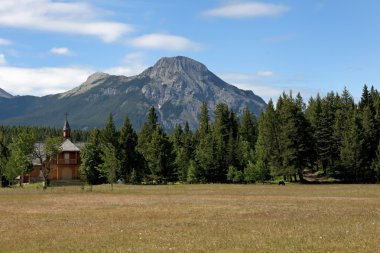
<point x="175" y="86"/>
<point x="4" y="94"/>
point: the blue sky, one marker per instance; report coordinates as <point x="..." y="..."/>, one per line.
<point x="269" y="46"/>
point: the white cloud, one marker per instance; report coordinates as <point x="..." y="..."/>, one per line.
<point x="248" y="10"/>
<point x="60" y="51"/>
<point x="132" y="64"/>
<point x="41" y="81"/>
<point x="264" y="74"/>
<point x="263" y="84"/>
<point x="5" y="42"/>
<point x="165" y="42"/>
<point x="61" y="17"/>
<point x="3" y="61"/>
<point x="50" y="80"/>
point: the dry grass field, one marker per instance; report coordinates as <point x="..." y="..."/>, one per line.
<point x="191" y="218"/>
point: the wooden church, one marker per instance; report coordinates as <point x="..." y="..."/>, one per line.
<point x="65" y="165"/>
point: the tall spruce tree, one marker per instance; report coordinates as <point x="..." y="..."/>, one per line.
<point x="376" y="164"/>
<point x="351" y="151"/>
<point x="204" y="153"/>
<point x="248" y="128"/>
<point x="110" y="167"/>
<point x="147" y="130"/>
<point x="109" y="133"/>
<point x="4" y="153"/>
<point x="221" y="137"/>
<point x="159" y="157"/>
<point x="127" y="152"/>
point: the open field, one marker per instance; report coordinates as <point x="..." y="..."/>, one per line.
<point x="192" y="218"/>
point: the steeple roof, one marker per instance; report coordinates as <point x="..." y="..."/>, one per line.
<point x="66" y="126"/>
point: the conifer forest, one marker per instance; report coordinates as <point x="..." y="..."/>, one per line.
<point x="332" y="135"/>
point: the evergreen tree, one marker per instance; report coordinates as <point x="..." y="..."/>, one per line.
<point x="146" y="132"/>
<point x="159" y="156"/>
<point x="351" y="151"/>
<point x="194" y="175"/>
<point x="111" y="164"/>
<point x="376" y="164"/>
<point x="127" y="151"/>
<point x="268" y="147"/>
<point x="177" y="140"/>
<point x="221" y="131"/>
<point x="183" y="148"/>
<point x="109" y="133"/>
<point x="365" y="100"/>
<point x="204" y="152"/>
<point x="327" y="146"/>
<point x="295" y="137"/>
<point x="248" y="128"/>
<point x="91" y="155"/>
<point x="370" y="142"/>
<point x="4" y="153"/>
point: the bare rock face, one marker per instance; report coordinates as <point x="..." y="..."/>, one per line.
<point x="181" y="82"/>
<point x="175" y="86"/>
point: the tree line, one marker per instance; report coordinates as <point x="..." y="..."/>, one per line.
<point x="332" y="135"/>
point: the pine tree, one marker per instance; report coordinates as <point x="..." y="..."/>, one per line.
<point x="183" y="148"/>
<point x="295" y="137"/>
<point x="127" y="151"/>
<point x="370" y="141"/>
<point x="351" y="151"/>
<point x="4" y="153"/>
<point x="205" y="149"/>
<point x="146" y="132"/>
<point x="111" y="164"/>
<point x="376" y="164"/>
<point x="109" y="133"/>
<point x="221" y="136"/>
<point x="268" y="147"/>
<point x="248" y="128"/>
<point x="159" y="156"/>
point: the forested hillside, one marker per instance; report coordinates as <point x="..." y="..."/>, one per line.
<point x="332" y="135"/>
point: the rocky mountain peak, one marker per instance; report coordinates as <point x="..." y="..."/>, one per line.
<point x="91" y="82"/>
<point x="166" y="67"/>
<point x="175" y="86"/>
<point x="95" y="77"/>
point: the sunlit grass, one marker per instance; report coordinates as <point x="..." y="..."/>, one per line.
<point x="191" y="218"/>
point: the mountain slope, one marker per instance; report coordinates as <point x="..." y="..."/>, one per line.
<point x="4" y="94"/>
<point x="175" y="86"/>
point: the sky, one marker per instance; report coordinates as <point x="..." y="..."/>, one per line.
<point x="267" y="46"/>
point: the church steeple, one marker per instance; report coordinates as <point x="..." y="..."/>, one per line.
<point x="66" y="129"/>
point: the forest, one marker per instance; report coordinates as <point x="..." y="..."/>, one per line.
<point x="330" y="135"/>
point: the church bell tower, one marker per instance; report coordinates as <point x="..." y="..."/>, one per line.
<point x="66" y="129"/>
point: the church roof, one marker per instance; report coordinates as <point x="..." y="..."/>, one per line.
<point x="67" y="145"/>
<point x="66" y="126"/>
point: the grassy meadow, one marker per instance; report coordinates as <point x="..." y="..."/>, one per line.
<point x="191" y="218"/>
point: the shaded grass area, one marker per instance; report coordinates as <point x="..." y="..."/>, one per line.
<point x="191" y="218"/>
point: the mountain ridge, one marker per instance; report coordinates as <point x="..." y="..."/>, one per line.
<point x="4" y="94"/>
<point x="175" y="86"/>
